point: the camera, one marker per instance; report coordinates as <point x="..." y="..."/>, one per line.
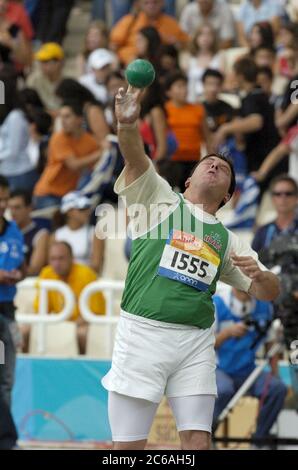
<point x="261" y="327"/>
<point x="283" y="252"/>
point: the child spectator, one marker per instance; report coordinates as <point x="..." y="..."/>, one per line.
<point x="188" y="123"/>
<point x="218" y="112"/>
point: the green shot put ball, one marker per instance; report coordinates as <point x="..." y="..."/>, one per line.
<point x="140" y="73"/>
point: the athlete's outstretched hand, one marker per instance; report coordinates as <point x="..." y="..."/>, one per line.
<point x="127" y="105"/>
<point x="249" y="266"/>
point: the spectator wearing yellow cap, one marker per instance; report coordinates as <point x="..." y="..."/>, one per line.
<point x="48" y="75"/>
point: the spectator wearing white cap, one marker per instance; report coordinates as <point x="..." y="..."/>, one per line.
<point x="75" y="229"/>
<point x="100" y="63"/>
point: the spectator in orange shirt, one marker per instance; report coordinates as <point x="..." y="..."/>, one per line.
<point x="188" y="123"/>
<point x="124" y="33"/>
<point x="70" y="151"/>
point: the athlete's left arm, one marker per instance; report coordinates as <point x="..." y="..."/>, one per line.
<point x="265" y="285"/>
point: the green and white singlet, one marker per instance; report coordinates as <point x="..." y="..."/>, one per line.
<point x="174" y="269"/>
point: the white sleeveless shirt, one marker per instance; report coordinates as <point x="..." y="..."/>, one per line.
<point x="80" y="240"/>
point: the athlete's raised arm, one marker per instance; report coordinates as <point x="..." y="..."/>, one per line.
<point x="127" y="109"/>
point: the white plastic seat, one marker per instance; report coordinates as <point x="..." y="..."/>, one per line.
<point x="60" y="339"/>
<point x="100" y="340"/>
<point x="24" y="300"/>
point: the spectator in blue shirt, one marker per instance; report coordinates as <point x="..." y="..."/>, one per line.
<point x="284" y="192"/>
<point x="242" y="323"/>
<point x="11" y="272"/>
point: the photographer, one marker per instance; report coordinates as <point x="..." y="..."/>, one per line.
<point x="284" y="192"/>
<point x="276" y="243"/>
<point x="242" y="323"/>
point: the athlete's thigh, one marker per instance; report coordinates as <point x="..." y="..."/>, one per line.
<point x="130" y="418"/>
<point x="194" y="412"/>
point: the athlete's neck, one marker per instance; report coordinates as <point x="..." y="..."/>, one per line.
<point x="209" y="206"/>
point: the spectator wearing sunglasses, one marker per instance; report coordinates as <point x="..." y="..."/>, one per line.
<point x="284" y="192"/>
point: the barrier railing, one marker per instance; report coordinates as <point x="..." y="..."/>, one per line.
<point x="109" y="288"/>
<point x="42" y="318"/>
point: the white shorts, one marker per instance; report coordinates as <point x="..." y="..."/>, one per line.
<point x="152" y="359"/>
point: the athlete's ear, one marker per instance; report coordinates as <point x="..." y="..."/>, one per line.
<point x="187" y="183"/>
<point x="226" y="198"/>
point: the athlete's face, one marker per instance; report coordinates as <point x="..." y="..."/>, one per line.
<point x="213" y="173"/>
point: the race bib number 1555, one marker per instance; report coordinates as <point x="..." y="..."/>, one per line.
<point x="189" y="260"/>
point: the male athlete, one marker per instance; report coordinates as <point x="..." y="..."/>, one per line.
<point x="165" y="340"/>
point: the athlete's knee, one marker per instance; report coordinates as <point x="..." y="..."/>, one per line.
<point x="130" y="445"/>
<point x="195" y="440"/>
